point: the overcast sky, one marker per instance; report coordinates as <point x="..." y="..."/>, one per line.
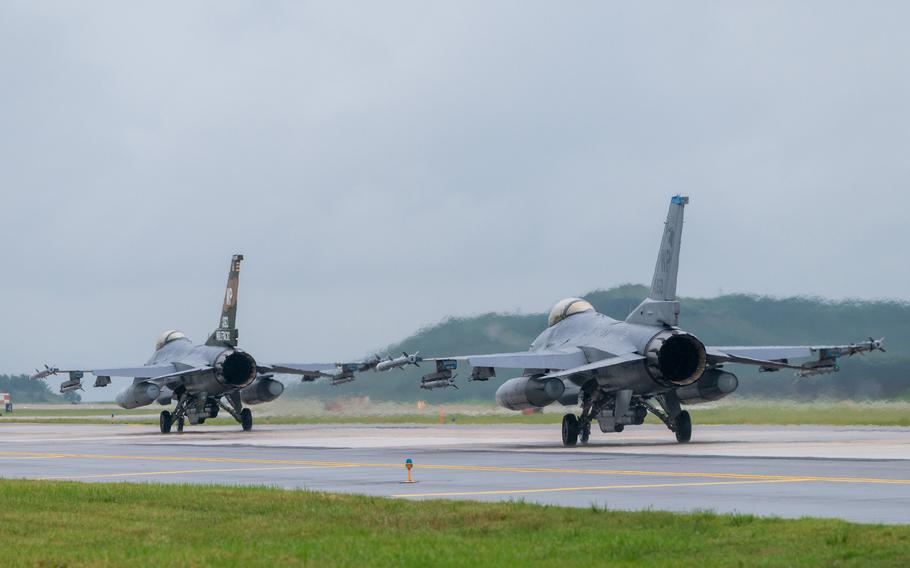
<point x="384" y="165"/>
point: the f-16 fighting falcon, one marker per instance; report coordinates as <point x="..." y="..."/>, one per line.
<point x="619" y="371"/>
<point x="206" y="378"/>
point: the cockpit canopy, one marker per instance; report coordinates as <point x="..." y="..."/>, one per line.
<point x="566" y="308"/>
<point x="167" y="337"/>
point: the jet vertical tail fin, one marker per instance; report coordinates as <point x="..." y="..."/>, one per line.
<point x="227" y="334"/>
<point x="661" y="306"/>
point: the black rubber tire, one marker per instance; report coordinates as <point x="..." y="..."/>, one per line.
<point x="180" y="423"/>
<point x="569" y="430"/>
<point x="246" y="419"/>
<point x="585" y="434"/>
<point x="683" y="427"/>
<point x="619" y="427"/>
<point x="164" y="422"/>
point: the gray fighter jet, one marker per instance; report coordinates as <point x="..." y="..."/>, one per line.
<point x="205" y="378"/>
<point x="619" y="371"/>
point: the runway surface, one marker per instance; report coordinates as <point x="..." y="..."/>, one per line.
<point x="855" y="473"/>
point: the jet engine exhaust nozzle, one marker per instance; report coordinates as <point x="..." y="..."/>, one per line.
<point x="675" y="358"/>
<point x="235" y="368"/>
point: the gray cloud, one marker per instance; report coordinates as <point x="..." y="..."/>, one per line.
<point x="383" y="165"/>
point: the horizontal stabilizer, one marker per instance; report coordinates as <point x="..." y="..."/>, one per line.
<point x="598" y="368"/>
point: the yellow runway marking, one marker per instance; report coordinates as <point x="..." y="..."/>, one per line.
<point x="175" y="472"/>
<point x="595" y="488"/>
<point x="498" y="469"/>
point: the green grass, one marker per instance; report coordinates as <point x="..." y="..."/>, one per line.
<point x="76" y="411"/>
<point x="95" y="524"/>
<point x="727" y="412"/>
<point x="830" y="413"/>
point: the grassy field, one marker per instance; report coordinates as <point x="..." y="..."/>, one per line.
<point x="75" y="411"/>
<point x="93" y="524"/>
<point x="736" y="411"/>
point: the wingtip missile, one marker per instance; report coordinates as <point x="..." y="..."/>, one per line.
<point x="867" y="346"/>
<point x="399" y="362"/>
<point x="45" y="373"/>
<point x="827" y="360"/>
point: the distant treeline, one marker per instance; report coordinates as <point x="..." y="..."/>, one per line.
<point x="21" y="389"/>
<point x="736" y="319"/>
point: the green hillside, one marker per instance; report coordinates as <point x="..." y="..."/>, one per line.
<point x="735" y="319"/>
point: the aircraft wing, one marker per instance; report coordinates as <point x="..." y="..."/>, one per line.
<point x="776" y="357"/>
<point x="341" y="372"/>
<point x="485" y="365"/>
<point x="161" y="374"/>
<point x="307" y="370"/>
<point x="523" y="359"/>
<point x="133" y="372"/>
<point x="136" y="372"/>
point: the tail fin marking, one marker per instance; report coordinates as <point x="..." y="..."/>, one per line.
<point x="227" y="334"/>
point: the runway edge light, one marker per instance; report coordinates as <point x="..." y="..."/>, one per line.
<point x="409" y="463"/>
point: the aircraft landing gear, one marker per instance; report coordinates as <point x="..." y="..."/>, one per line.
<point x="180" y="411"/>
<point x="235" y="409"/>
<point x="569" y="430"/>
<point x="677" y="420"/>
<point x="683" y="425"/>
<point x="164" y="422"/>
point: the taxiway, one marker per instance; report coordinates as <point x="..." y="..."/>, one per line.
<point x="854" y="473"/>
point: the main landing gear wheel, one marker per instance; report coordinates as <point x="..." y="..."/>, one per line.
<point x="246" y="419"/>
<point x="165" y="421"/>
<point x="683" y="427"/>
<point x="180" y="422"/>
<point x="569" y="430"/>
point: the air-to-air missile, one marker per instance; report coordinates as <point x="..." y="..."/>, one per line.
<point x="73" y="383"/>
<point x="399" y="362"/>
<point x="827" y="357"/>
<point x="47" y="372"/>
